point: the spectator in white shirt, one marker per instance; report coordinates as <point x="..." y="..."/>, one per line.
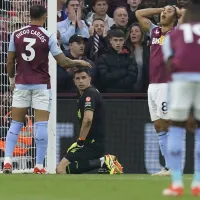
<point x="100" y="8"/>
<point x="73" y="24"/>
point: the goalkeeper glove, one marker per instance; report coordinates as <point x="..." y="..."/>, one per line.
<point x="76" y="145"/>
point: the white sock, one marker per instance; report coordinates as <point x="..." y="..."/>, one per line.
<point x="102" y="161"/>
<point x="8" y="160"/>
<point x="39" y="166"/>
<point x="177" y="184"/>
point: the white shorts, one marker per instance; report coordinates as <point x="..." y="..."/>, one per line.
<point x="157" y="101"/>
<point x="37" y="99"/>
<point x="183" y="96"/>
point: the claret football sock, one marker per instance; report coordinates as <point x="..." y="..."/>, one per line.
<point x="163" y="139"/>
<point x="12" y="137"/>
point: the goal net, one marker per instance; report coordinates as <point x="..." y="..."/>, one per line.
<point x="15" y="14"/>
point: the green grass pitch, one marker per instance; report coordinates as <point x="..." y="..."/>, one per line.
<point x="86" y="187"/>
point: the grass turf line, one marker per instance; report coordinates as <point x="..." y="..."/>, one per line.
<point x="86" y="187"/>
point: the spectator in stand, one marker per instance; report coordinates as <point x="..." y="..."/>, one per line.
<point x="100" y="8"/>
<point x="118" y="71"/>
<point x="121" y="20"/>
<point x="73" y="24"/>
<point x="137" y="44"/>
<point x="152" y="4"/>
<point x="65" y="81"/>
<point x="61" y="10"/>
<point x="183" y="3"/>
<point x="15" y="24"/>
<point x="133" y="5"/>
<point x="97" y="43"/>
<point x="113" y="4"/>
<point x="162" y="3"/>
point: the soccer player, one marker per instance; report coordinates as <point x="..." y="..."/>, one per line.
<point x="181" y="52"/>
<point x="157" y="91"/>
<point x="88" y="152"/>
<point x="30" y="47"/>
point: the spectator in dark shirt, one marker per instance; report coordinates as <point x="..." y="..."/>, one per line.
<point x="133" y="5"/>
<point x="137" y="43"/>
<point x="76" y="52"/>
<point x="61" y="12"/>
<point x="183" y="3"/>
<point x="152" y="4"/>
<point x="113" y="4"/>
<point x="97" y="43"/>
<point x="118" y="71"/>
<point x="121" y="20"/>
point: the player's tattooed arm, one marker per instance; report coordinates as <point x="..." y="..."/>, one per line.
<point x="144" y="14"/>
<point x="65" y="62"/>
<point x="11" y="64"/>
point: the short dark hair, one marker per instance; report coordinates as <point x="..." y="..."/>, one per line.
<point x="95" y="1"/>
<point x="116" y="33"/>
<point x="192" y="13"/>
<point x="37" y="11"/>
<point x="68" y="1"/>
<point x="98" y="18"/>
<point x="82" y="69"/>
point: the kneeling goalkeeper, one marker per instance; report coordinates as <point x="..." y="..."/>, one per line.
<point x="88" y="153"/>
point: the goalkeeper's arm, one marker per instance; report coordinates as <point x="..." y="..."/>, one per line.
<point x="86" y="124"/>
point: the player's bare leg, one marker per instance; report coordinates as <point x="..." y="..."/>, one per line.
<point x="18" y="115"/>
<point x="175" y="139"/>
<point x="161" y="127"/>
<point x="41" y="139"/>
<point x="61" y="168"/>
<point x="195" y="187"/>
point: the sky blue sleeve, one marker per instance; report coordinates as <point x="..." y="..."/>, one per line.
<point x="167" y="48"/>
<point x="151" y="29"/>
<point x="66" y="31"/>
<point x="53" y="46"/>
<point x="12" y="44"/>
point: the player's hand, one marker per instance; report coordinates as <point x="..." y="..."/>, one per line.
<point x="91" y="30"/>
<point x="12" y="87"/>
<point x="78" y="15"/>
<point x="82" y="63"/>
<point x="73" y="17"/>
<point x="105" y="31"/>
<point x="75" y="146"/>
<point x="178" y="11"/>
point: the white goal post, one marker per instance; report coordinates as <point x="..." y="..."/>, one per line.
<point x="13" y="14"/>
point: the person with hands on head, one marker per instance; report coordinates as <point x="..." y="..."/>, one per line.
<point x="97" y="43"/>
<point x="73" y="24"/>
<point x="159" y="77"/>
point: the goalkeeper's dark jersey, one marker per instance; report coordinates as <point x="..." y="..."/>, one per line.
<point x="92" y="100"/>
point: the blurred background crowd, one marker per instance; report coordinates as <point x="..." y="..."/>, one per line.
<point x="84" y="31"/>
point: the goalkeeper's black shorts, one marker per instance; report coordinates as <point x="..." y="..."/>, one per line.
<point x="90" y="151"/>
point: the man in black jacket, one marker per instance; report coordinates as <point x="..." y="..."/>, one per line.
<point x="65" y="81"/>
<point x="118" y="71"/>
